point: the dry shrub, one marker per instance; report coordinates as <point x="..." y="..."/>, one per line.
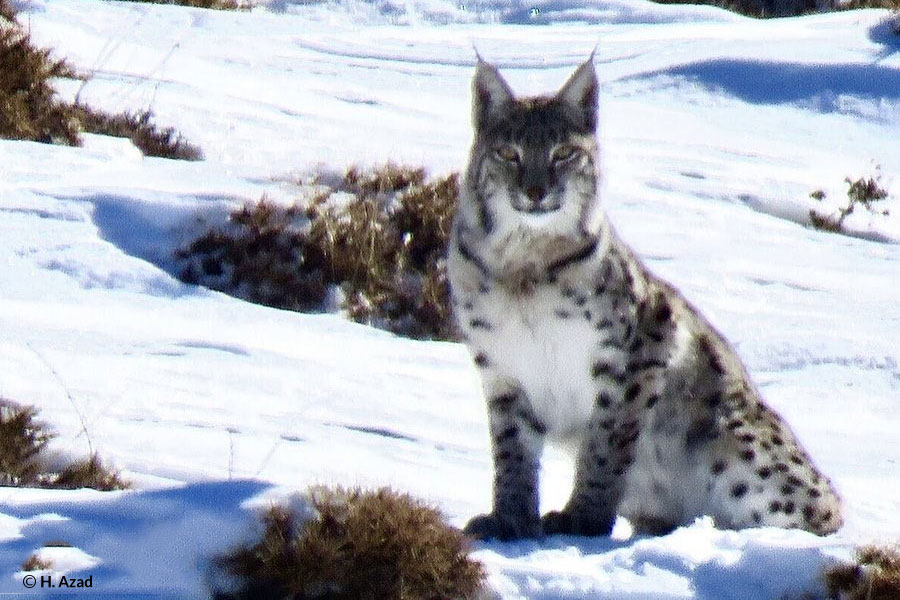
<point x="387" y="249"/>
<point x="23" y="440"/>
<point x="262" y="255"/>
<point x="360" y="544"/>
<point x="857" y="4"/>
<point x="384" y="180"/>
<point x="30" y="109"/>
<point x="754" y="8"/>
<point x="865" y="192"/>
<point x="35" y="563"/>
<point x="89" y="473"/>
<point x="376" y="241"/>
<point x="7" y="11"/>
<point x="874" y="576"/>
<point x="824" y="222"/>
<point x="214" y="4"/>
<point x="139" y="128"/>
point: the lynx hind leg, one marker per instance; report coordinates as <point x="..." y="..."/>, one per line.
<point x="770" y="494"/>
<point x="653" y="525"/>
<point x="762" y="476"/>
<point x="517" y="439"/>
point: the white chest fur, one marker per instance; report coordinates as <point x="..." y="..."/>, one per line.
<point x="547" y="355"/>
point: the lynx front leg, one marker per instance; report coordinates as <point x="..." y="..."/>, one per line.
<point x="602" y="463"/>
<point x="517" y="439"/>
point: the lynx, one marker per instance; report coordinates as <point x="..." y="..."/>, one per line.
<point x="578" y="344"/>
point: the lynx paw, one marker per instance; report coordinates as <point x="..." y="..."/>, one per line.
<point x="567" y="523"/>
<point x="500" y="527"/>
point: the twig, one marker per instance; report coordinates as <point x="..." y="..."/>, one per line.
<point x="68" y="394"/>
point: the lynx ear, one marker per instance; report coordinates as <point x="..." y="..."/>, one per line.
<point x="490" y="94"/>
<point x="579" y="95"/>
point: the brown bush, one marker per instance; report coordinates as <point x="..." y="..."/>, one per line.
<point x="23" y="440"/>
<point x="30" y="109"/>
<point x="857" y="4"/>
<point x="382" y="251"/>
<point x="35" y="563"/>
<point x="865" y="192"/>
<point x="360" y="545"/>
<point x="874" y="576"/>
<point x="7" y="11"/>
<point x="139" y="128"/>
<point x="262" y="255"/>
<point x="214" y="4"/>
<point x="89" y="473"/>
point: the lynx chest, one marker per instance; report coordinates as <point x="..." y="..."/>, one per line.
<point x="543" y="343"/>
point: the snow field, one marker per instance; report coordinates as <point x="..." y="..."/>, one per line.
<point x="715" y="130"/>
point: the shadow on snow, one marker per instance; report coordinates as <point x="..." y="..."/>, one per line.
<point x="156" y="541"/>
<point x="817" y="86"/>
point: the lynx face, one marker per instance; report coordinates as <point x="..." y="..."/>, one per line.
<point x="536" y="162"/>
<point x="531" y="184"/>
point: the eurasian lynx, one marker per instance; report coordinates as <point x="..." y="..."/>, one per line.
<point x="579" y="344"/>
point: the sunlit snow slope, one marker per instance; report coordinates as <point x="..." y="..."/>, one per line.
<point x="715" y="130"/>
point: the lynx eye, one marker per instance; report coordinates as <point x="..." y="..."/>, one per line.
<point x="563" y="153"/>
<point x="508" y="154"/>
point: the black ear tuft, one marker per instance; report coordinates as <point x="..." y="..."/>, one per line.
<point x="490" y="94"/>
<point x="579" y="95"/>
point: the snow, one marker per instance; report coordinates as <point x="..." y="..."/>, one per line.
<point x="715" y="129"/>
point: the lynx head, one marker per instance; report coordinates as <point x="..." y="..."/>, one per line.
<point x="531" y="184"/>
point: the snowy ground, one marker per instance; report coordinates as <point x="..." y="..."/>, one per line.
<point x="716" y="129"/>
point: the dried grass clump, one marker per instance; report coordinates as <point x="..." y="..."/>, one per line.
<point x="374" y="245"/>
<point x="36" y="563"/>
<point x="7" y="11"/>
<point x="213" y="4"/>
<point x="138" y="127"/>
<point x="387" y="250"/>
<point x="857" y="4"/>
<point x="824" y="222"/>
<point x="865" y="192"/>
<point x="874" y="576"/>
<point x="89" y="473"/>
<point x="29" y="109"/>
<point x="263" y="255"/>
<point x="759" y="9"/>
<point x="23" y="440"/>
<point x="383" y="180"/>
<point x="361" y="544"/>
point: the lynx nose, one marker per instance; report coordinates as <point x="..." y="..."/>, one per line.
<point x="535" y="193"/>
